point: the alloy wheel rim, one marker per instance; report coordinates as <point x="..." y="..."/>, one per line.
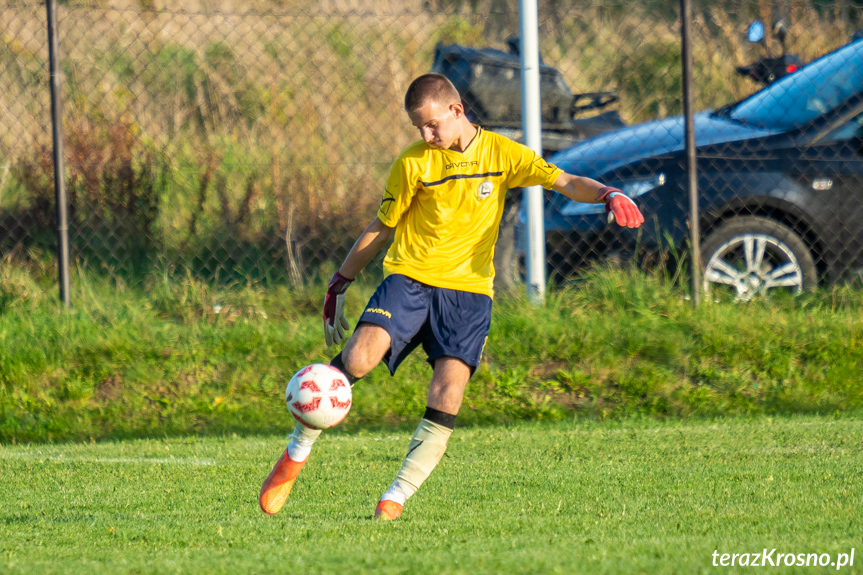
<point x="753" y="264"/>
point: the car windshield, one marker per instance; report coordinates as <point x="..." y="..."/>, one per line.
<point x="814" y="90"/>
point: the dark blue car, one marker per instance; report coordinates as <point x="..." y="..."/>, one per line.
<point x="780" y="180"/>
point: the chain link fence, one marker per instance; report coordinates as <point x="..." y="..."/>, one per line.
<point x="254" y="145"/>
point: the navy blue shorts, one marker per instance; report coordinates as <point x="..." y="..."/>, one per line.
<point x="445" y="321"/>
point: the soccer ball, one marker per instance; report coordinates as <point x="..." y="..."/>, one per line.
<point x="319" y="396"/>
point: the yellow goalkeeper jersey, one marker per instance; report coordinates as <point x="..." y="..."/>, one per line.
<point x="446" y="207"/>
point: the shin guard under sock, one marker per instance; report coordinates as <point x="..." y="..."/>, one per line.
<point x="426" y="449"/>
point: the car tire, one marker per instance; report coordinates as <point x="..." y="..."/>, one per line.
<point x="749" y="256"/>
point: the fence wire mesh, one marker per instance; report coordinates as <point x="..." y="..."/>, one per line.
<point x="255" y="145"/>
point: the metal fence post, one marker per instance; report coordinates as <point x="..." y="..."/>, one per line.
<point x="691" y="165"/>
<point x="59" y="166"/>
<point x="531" y="125"/>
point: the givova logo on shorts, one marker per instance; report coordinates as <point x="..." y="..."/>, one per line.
<point x="378" y="310"/>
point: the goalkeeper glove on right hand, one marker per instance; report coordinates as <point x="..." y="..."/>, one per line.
<point x="618" y="206"/>
<point x="335" y="322"/>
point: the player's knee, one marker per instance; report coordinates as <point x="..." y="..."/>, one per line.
<point x="349" y="370"/>
<point x="365" y="349"/>
<point x="355" y="361"/>
<point x="350" y="366"/>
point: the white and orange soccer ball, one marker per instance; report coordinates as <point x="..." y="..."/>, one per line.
<point x="319" y="396"/>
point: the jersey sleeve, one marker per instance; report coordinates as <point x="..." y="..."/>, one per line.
<point x="398" y="194"/>
<point x="529" y="169"/>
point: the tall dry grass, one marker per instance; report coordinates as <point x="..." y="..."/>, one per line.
<point x="274" y="124"/>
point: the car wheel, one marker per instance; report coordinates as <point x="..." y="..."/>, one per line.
<point x="748" y="256"/>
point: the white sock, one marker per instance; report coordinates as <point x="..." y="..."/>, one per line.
<point x="301" y="442"/>
<point x="395" y="494"/>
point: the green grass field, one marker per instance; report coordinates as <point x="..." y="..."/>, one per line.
<point x="585" y="497"/>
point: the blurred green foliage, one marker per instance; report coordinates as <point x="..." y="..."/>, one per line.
<point x="170" y="356"/>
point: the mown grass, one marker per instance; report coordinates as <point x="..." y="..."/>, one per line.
<point x="173" y="357"/>
<point x="586" y="497"/>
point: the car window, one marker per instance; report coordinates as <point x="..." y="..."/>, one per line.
<point x="853" y="128"/>
<point x="814" y="90"/>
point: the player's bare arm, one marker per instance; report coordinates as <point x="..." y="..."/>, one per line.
<point x="374" y="237"/>
<point x="578" y="188"/>
<point x="371" y="241"/>
<point x="618" y="206"/>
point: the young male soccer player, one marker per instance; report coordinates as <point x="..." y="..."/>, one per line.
<point x="443" y="201"/>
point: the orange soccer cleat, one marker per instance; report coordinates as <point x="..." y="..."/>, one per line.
<point x="277" y="486"/>
<point x="388" y="510"/>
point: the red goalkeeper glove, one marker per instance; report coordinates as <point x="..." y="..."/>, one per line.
<point x="335" y="322"/>
<point x="619" y="207"/>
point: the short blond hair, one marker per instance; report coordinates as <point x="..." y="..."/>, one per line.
<point x="430" y="87"/>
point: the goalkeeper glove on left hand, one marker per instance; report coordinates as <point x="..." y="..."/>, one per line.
<point x="335" y="322"/>
<point x="619" y="207"/>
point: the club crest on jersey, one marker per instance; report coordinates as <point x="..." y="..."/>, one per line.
<point x="484" y="190"/>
